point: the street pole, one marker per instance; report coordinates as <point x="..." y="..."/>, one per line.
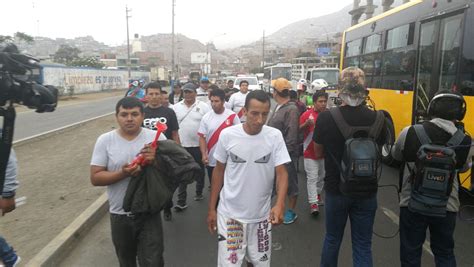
<point x="128" y="42"/>
<point x="173" y="3"/>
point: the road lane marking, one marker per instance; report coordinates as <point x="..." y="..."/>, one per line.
<point x="395" y="219"/>
<point x="61" y="128"/>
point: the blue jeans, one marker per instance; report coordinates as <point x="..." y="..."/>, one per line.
<point x="361" y="213"/>
<point x="413" y="228"/>
<point x="7" y="254"/>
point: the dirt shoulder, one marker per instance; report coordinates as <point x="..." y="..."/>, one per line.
<point x="54" y="176"/>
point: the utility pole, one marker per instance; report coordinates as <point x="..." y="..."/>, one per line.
<point x="263" y="49"/>
<point x="173" y="3"/>
<point x="127" y="10"/>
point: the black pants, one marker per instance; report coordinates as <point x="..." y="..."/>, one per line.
<point x="413" y="228"/>
<point x="140" y="236"/>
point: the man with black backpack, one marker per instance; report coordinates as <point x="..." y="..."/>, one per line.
<point x="434" y="152"/>
<point x="349" y="137"/>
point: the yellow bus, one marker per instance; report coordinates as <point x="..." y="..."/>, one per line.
<point x="412" y="51"/>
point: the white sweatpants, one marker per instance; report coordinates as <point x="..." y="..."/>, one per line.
<point x="315" y="174"/>
<point x="237" y="240"/>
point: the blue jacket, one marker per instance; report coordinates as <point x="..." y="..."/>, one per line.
<point x="11" y="183"/>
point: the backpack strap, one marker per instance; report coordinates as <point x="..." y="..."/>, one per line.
<point x="421" y="134"/>
<point x="347" y="130"/>
<point x="378" y="124"/>
<point x="456" y="139"/>
<point x="342" y="125"/>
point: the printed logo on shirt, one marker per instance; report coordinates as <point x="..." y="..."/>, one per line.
<point x="264" y="159"/>
<point x="150" y="123"/>
<point x="236" y="159"/>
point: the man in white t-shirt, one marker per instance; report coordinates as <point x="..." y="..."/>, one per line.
<point x="248" y="157"/>
<point x="203" y="90"/>
<point x="212" y="125"/>
<point x="110" y="167"/>
<point x="237" y="100"/>
<point x="189" y="113"/>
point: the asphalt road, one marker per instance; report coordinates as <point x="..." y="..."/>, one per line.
<point x="30" y="123"/>
<point x="188" y="243"/>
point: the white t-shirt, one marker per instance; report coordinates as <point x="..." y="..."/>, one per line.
<point x="210" y="123"/>
<point x="236" y="103"/>
<point x="113" y="151"/>
<point x="189" y="119"/>
<point x="250" y="171"/>
<point x="202" y="95"/>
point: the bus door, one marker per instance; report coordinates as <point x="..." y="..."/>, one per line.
<point x="438" y="60"/>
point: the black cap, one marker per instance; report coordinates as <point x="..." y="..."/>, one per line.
<point x="189" y="87"/>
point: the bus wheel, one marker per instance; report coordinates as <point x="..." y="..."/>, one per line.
<point x="389" y="141"/>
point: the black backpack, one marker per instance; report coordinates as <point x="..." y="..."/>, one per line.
<point x="434" y="174"/>
<point x="360" y="163"/>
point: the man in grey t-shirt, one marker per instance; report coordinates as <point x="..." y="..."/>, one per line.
<point x="110" y="167"/>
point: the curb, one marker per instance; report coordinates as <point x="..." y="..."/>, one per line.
<point x="57" y="249"/>
<point x="57" y="131"/>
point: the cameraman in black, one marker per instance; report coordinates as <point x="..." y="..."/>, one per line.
<point x="7" y="204"/>
<point x="446" y="110"/>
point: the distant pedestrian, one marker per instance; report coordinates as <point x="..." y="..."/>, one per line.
<point x="133" y="236"/>
<point x="237" y="100"/>
<point x="190" y="112"/>
<point x="229" y="90"/>
<point x="203" y="90"/>
<point x="176" y="94"/>
<point x="248" y="158"/>
<point x="313" y="165"/>
<point x="285" y="117"/>
<point x="212" y="124"/>
<point x="165" y="99"/>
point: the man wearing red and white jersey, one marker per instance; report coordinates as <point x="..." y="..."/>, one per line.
<point x="237" y="100"/>
<point x="211" y="126"/>
<point x="313" y="165"/>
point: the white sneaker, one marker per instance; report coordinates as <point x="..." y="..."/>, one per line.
<point x="320" y="200"/>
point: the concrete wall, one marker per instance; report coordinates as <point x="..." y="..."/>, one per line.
<point x="88" y="80"/>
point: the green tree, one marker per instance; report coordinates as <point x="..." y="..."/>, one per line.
<point x="20" y="36"/>
<point x="5" y="38"/>
<point x="91" y="62"/>
<point x="305" y="54"/>
<point x="66" y="54"/>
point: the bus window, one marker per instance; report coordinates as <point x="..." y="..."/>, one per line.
<point x="466" y="70"/>
<point x="373" y="43"/>
<point x="351" y="62"/>
<point x="371" y="64"/>
<point x="450" y="46"/>
<point x="353" y="48"/>
<point x="400" y="37"/>
<point x="398" y="66"/>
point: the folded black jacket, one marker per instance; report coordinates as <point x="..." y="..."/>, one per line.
<point x="148" y="192"/>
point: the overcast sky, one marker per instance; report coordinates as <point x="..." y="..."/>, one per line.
<point x="225" y="22"/>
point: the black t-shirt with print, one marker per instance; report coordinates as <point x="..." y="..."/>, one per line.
<point x="327" y="134"/>
<point x="152" y="115"/>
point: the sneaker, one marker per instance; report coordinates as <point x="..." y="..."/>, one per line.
<point x="199" y="197"/>
<point x="314" y="209"/>
<point x="179" y="207"/>
<point x="18" y="259"/>
<point x="290" y="217"/>
<point x="320" y="200"/>
<point x="167" y="214"/>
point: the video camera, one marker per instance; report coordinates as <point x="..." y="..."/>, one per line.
<point x="16" y="86"/>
